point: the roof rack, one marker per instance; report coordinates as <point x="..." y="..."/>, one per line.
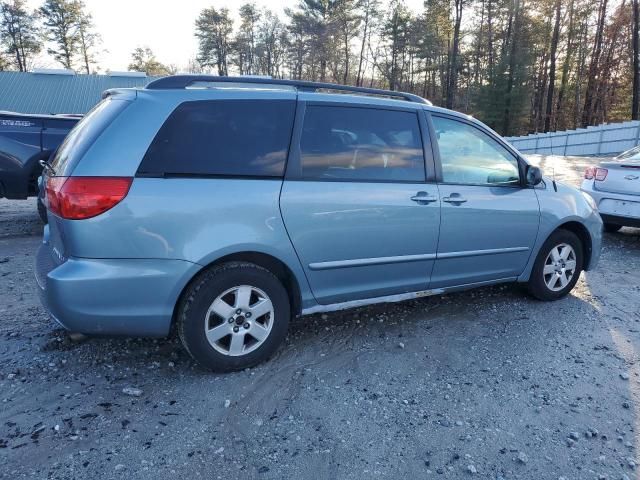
<point x="184" y="81"/>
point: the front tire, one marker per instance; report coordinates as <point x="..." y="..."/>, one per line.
<point x="233" y="316"/>
<point x="557" y="267"/>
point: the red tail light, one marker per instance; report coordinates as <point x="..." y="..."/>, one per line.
<point x="589" y="173"/>
<point x="601" y="174"/>
<point x="596" y="172"/>
<point x="77" y="198"/>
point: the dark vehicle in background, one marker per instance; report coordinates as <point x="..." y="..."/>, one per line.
<point x="24" y="141"/>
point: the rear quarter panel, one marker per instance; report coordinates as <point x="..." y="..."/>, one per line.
<point x="194" y="219"/>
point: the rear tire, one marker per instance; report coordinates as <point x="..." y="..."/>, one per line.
<point x="611" y="227"/>
<point x="233" y="316"/>
<point x="557" y="267"/>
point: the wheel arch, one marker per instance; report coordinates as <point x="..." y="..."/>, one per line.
<point x="17" y="176"/>
<point x="574" y="226"/>
<point x="34" y="170"/>
<point x="276" y="266"/>
<point x="582" y="233"/>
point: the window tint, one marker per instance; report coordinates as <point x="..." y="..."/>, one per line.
<point x="223" y="137"/>
<point x="361" y="144"/>
<point x="470" y="156"/>
<point x="84" y="134"/>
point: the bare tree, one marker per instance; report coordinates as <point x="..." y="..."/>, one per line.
<point x="88" y="40"/>
<point x="270" y="47"/>
<point x="590" y="94"/>
<point x="452" y="76"/>
<point x="369" y="15"/>
<point x="552" y="67"/>
<point x="144" y="60"/>
<point x="635" y="41"/>
<point x="246" y="39"/>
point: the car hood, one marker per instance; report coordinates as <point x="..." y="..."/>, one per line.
<point x="549" y="184"/>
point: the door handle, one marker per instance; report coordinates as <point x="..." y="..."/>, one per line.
<point x="454" y="198"/>
<point x="424" y="198"/>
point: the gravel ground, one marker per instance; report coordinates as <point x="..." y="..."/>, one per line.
<point x="486" y="384"/>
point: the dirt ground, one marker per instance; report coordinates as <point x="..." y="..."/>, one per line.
<point x="487" y="384"/>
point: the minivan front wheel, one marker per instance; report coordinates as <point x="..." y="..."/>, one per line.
<point x="233" y="316"/>
<point x="558" y="266"/>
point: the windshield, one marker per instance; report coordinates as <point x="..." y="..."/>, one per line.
<point x="634" y="153"/>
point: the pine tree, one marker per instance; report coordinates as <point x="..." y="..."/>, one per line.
<point x="18" y="34"/>
<point x="61" y="22"/>
<point x="144" y="60"/>
<point x="88" y="40"/>
<point x="213" y="31"/>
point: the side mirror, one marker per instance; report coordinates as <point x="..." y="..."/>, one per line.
<point x="534" y="176"/>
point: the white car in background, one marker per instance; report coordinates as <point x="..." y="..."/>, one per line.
<point x="615" y="187"/>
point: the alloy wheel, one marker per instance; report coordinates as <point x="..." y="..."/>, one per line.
<point x="559" y="267"/>
<point x="239" y="320"/>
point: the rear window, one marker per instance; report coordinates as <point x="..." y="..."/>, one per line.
<point x="86" y="131"/>
<point x="223" y="137"/>
<point x="633" y="153"/>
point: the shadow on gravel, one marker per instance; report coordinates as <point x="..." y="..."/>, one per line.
<point x="488" y="373"/>
<point x="19" y="218"/>
<point x="392" y="330"/>
<point x="136" y="352"/>
<point x="627" y="237"/>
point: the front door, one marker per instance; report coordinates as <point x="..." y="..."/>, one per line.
<point x="489" y="220"/>
<point x="355" y="203"/>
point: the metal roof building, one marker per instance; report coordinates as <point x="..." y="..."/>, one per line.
<point x="60" y="91"/>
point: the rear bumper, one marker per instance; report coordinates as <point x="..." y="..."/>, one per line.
<point x="607" y="215"/>
<point x="132" y="297"/>
<point x="620" y="220"/>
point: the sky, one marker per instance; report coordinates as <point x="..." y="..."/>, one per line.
<point x="165" y="26"/>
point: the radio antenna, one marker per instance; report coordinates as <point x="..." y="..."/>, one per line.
<point x="553" y="167"/>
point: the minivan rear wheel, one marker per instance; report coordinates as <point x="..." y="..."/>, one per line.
<point x="233" y="316"/>
<point x="558" y="266"/>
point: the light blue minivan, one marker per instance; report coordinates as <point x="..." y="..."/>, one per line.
<point x="225" y="205"/>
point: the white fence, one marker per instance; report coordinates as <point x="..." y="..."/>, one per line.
<point x="601" y="140"/>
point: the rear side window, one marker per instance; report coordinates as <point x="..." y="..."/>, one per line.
<point x="223" y="137"/>
<point x="82" y="136"/>
<point x="361" y="144"/>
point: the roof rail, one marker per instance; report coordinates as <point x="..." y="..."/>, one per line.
<point x="184" y="81"/>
